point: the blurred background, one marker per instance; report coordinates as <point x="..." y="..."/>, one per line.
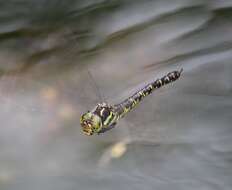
<point x="59" y="58"/>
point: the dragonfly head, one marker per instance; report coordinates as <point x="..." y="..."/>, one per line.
<point x="90" y="123"/>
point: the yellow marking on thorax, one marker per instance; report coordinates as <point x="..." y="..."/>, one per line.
<point x="102" y="110"/>
<point x="108" y="118"/>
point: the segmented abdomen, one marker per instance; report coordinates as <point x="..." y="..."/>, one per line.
<point x="128" y="104"/>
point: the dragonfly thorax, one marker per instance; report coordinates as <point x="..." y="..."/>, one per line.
<point x="99" y="119"/>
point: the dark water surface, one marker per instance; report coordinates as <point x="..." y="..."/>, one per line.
<point x="59" y="58"/>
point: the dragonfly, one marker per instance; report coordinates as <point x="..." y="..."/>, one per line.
<point x="104" y="117"/>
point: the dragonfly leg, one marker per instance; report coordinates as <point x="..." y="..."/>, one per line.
<point x="107" y="128"/>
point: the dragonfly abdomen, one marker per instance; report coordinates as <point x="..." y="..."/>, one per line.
<point x="128" y="104"/>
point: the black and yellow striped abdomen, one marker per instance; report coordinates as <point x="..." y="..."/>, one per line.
<point x="133" y="100"/>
